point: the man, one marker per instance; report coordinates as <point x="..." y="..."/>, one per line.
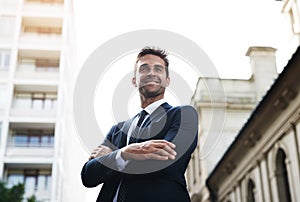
<point x="144" y="158"/>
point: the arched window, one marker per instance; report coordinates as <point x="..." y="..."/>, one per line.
<point x="282" y="177"/>
<point x="251" y="191"/>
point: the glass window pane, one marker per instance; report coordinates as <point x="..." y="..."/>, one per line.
<point x="7" y="60"/>
<point x="4" y="59"/>
<point x="45" y="141"/>
<point x="37" y="104"/>
<point x="48" y="104"/>
<point x="29" y="185"/>
<point x="54" y="104"/>
<point x="41" y="183"/>
<point x="52" y="140"/>
<point x="2" y="96"/>
<point x="20" y="140"/>
<point x="14" y="179"/>
<point x="34" y="140"/>
<point x="48" y="182"/>
<point x="24" y="103"/>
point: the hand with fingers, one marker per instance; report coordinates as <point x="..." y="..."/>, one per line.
<point x="151" y="149"/>
<point x="101" y="150"/>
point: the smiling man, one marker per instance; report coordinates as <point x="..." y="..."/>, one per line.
<point x="144" y="158"/>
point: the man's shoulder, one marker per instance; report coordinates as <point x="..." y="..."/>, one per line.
<point x="186" y="111"/>
<point x="183" y="108"/>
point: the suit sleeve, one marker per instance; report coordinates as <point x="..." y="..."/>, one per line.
<point x="184" y="130"/>
<point x="181" y="128"/>
<point x="98" y="170"/>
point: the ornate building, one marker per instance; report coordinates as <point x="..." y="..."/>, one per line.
<point x="255" y="159"/>
<point x="262" y="164"/>
<point x="241" y="98"/>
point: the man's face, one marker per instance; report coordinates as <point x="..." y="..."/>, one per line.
<point x="151" y="77"/>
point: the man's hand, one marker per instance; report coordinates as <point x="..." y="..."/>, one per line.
<point x="152" y="149"/>
<point x="101" y="150"/>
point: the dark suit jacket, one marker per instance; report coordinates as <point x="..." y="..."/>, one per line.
<point x="148" y="180"/>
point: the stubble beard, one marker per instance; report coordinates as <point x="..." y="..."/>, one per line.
<point x="152" y="94"/>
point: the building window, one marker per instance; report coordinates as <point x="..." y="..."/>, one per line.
<point x="47" y="65"/>
<point x="39" y="64"/>
<point x="0" y="131"/>
<point x="46" y="1"/>
<point x="36" y="181"/>
<point x="251" y="191"/>
<point x="282" y="177"/>
<point x="32" y="138"/>
<point x="42" y="30"/>
<point x="2" y="96"/>
<point x="4" y="59"/>
<point x="35" y="100"/>
<point x="7" y="24"/>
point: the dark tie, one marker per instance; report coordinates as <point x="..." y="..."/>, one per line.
<point x="135" y="132"/>
<point x="133" y="138"/>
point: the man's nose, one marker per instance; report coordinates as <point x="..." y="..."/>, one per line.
<point x="151" y="71"/>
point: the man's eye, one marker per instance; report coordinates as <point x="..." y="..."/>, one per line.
<point x="143" y="68"/>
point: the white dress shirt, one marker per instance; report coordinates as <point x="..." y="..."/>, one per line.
<point x="121" y="163"/>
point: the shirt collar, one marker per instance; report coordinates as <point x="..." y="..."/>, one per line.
<point x="153" y="106"/>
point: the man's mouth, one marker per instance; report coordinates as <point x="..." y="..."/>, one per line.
<point x="149" y="82"/>
<point x="154" y="82"/>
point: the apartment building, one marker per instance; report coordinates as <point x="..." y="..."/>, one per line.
<point x="37" y="64"/>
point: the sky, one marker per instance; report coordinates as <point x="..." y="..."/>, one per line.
<point x="223" y="29"/>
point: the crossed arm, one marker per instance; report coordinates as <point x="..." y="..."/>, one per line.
<point x="102" y="164"/>
<point x="151" y="149"/>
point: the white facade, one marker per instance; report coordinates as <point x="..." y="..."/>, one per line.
<point x="262" y="164"/>
<point x="232" y="173"/>
<point x="39" y="146"/>
<point x="241" y="96"/>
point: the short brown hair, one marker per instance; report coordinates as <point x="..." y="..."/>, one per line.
<point x="157" y="52"/>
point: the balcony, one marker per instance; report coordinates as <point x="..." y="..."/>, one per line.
<point x="40" y="41"/>
<point x="41" y="33"/>
<point x="32" y="101"/>
<point x="49" y="8"/>
<point x="38" y="69"/>
<point x="30" y="140"/>
<point x="37" y="179"/>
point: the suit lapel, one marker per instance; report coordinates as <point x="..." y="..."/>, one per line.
<point x="158" y="117"/>
<point x="125" y="130"/>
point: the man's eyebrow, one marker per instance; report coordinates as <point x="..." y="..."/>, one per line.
<point x="159" y="66"/>
<point x="145" y="64"/>
<point x="156" y="65"/>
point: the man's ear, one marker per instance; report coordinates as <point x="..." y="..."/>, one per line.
<point x="134" y="81"/>
<point x="168" y="81"/>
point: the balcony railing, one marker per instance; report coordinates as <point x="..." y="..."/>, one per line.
<point x="42" y="8"/>
<point x="12" y="143"/>
<point x="40" y="41"/>
<point x="34" y="104"/>
<point x="29" y="151"/>
<point x="34" y="72"/>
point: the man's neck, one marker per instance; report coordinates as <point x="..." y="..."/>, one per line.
<point x="147" y="101"/>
